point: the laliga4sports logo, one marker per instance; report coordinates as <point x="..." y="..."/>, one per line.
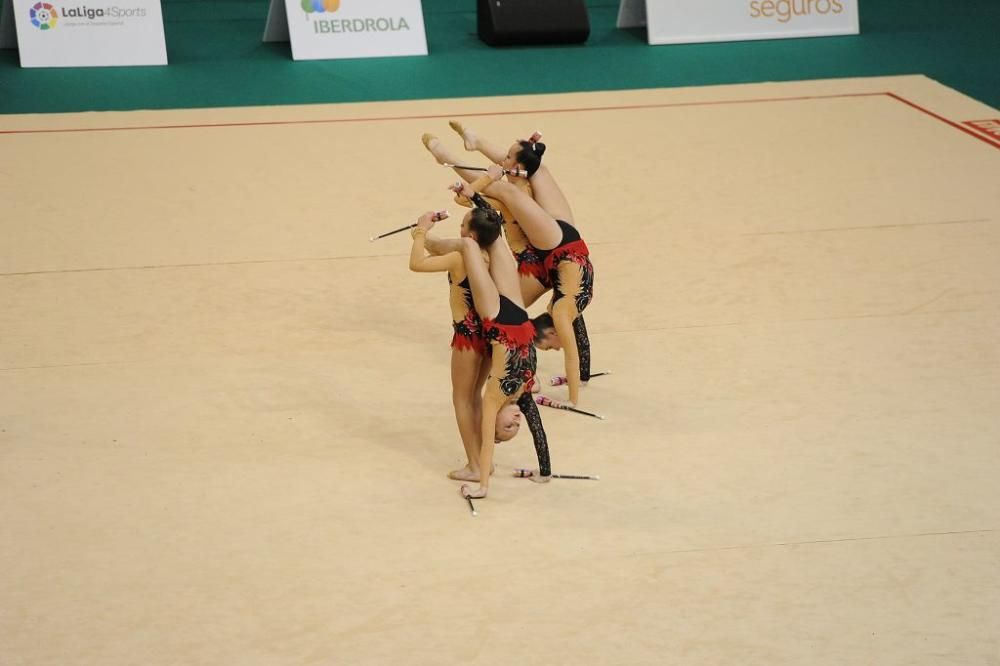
<point x="320" y="6"/>
<point x="44" y="16"/>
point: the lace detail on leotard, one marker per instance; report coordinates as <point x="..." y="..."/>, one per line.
<point x="583" y="347"/>
<point x="530" y="410"/>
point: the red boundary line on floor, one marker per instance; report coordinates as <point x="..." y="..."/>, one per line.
<point x="957" y="126"/>
<point x="891" y="95"/>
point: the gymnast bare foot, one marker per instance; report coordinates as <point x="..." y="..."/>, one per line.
<point x="532" y="474"/>
<point x="468" y="473"/>
<point x="469" y="493"/>
<point x="469" y="137"/>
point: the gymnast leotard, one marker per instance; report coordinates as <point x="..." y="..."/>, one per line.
<point x="571" y="250"/>
<point x="466" y="322"/>
<point x="512" y="334"/>
<point x="530" y="260"/>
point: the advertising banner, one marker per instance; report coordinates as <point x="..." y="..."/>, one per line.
<point x="54" y="33"/>
<point x="322" y="29"/>
<point x="683" y="21"/>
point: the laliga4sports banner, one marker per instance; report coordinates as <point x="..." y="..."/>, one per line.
<point x="91" y="33"/>
<point x="320" y="29"/>
<point x="681" y="21"/>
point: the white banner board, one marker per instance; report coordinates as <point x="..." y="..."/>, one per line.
<point x="684" y="21"/>
<point x="323" y="29"/>
<point x="105" y="33"/>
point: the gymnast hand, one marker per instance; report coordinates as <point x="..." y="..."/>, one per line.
<point x="495" y="171"/>
<point x="546" y="401"/>
<point x="533" y="474"/>
<point x="463" y="200"/>
<point x="427" y="220"/>
<point x="462" y="188"/>
<point x="560" y="380"/>
<point x="467" y="493"/>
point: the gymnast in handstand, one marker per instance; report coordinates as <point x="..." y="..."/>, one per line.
<point x="510" y="334"/>
<point x="567" y="262"/>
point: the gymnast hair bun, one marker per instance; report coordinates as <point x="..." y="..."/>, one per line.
<point x="538" y="149"/>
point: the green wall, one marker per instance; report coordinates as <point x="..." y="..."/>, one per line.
<point x="217" y="59"/>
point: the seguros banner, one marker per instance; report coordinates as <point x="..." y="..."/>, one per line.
<point x="682" y="21"/>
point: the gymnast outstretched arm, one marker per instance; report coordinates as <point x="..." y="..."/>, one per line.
<point x="527" y="405"/>
<point x="438" y="246"/>
<point x="421" y="263"/>
<point x="563" y="314"/>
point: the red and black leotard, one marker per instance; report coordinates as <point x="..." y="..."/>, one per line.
<point x="570" y="249"/>
<point x="464" y="319"/>
<point x="511" y="333"/>
<point x="531" y="261"/>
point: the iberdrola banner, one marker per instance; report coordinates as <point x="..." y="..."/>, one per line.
<point x="320" y="29"/>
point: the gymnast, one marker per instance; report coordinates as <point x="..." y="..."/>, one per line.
<point x="510" y="334"/>
<point x="524" y="157"/>
<point x="533" y="279"/>
<point x="470" y="362"/>
<point x="567" y="263"/>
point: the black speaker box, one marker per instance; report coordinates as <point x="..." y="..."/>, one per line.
<point x="508" y="22"/>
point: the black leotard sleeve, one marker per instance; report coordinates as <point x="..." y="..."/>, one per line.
<point x="530" y="410"/>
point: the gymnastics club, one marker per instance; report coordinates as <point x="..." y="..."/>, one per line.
<point x="514" y="172"/>
<point x="525" y="473"/>
<point x="548" y="402"/>
<point x="438" y="216"/>
<point x="472" y="507"/>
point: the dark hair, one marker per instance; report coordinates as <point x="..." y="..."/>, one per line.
<point x="530" y="156"/>
<point x="485" y="222"/>
<point x="542" y="323"/>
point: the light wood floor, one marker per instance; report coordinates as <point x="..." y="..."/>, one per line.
<point x="225" y="416"/>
